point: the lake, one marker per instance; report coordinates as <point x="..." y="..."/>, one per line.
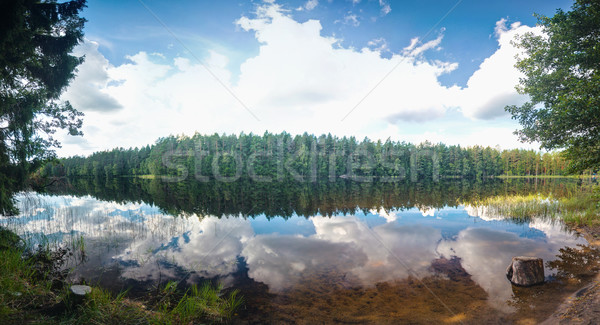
<point x="316" y="252"/>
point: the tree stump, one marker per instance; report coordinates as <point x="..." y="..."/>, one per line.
<point x="78" y="293"/>
<point x="525" y="271"/>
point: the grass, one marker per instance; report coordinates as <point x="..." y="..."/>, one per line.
<point x="23" y="286"/>
<point x="31" y="291"/>
<point x="146" y="176"/>
<point x="197" y="303"/>
<point x="581" y="208"/>
<point x="545" y="176"/>
<point x="101" y="307"/>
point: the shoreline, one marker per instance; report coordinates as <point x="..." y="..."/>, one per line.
<point x="583" y="306"/>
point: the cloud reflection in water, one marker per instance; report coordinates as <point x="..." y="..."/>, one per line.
<point x="152" y="245"/>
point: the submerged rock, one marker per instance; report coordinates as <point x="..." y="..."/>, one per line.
<point x="525" y="271"/>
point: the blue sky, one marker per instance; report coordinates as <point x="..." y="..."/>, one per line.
<point x="443" y="69"/>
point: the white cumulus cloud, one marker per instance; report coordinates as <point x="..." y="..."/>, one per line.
<point x="300" y="81"/>
<point x="88" y="91"/>
<point x="492" y="86"/>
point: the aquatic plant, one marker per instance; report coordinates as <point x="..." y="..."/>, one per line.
<point x="579" y="208"/>
<point x="198" y="303"/>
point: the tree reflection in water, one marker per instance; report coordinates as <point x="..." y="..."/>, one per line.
<point x="312" y="252"/>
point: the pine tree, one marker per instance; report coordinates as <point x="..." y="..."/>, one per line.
<point x="36" y="39"/>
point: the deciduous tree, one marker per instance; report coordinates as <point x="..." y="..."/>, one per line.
<point x="561" y="71"/>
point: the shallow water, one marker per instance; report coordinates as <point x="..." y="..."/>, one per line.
<point x="417" y="264"/>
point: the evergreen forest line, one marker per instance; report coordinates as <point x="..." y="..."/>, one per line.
<point x="306" y="158"/>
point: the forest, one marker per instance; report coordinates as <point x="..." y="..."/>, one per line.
<point x="305" y="158"/>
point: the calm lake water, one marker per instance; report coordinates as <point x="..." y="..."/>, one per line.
<point x="317" y="253"/>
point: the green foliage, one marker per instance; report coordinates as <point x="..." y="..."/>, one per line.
<point x="273" y="157"/>
<point x="198" y="305"/>
<point x="23" y="283"/>
<point x="579" y="208"/>
<point x="519" y="207"/>
<point x="36" y="39"/>
<point x="101" y="307"/>
<point x="562" y="79"/>
<point x="9" y="239"/>
<point x="204" y="302"/>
